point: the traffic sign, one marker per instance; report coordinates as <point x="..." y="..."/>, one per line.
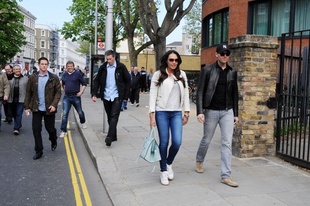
<point x="100" y="45"/>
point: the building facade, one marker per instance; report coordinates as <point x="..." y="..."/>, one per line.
<point x="68" y="51"/>
<point x="27" y="56"/>
<point x="223" y="20"/>
<point x="47" y="43"/>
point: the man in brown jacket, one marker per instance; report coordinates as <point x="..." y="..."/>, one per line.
<point x="42" y="96"/>
<point x="4" y="91"/>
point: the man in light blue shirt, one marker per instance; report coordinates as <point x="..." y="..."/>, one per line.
<point x="43" y="93"/>
<point x="113" y="81"/>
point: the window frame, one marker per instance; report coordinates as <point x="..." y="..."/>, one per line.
<point x="208" y="40"/>
<point x="291" y="27"/>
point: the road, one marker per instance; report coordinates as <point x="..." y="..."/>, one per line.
<point x="64" y="177"/>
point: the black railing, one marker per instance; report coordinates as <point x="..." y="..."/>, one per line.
<point x="293" y="111"/>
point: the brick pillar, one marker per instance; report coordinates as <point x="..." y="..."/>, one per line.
<point x="255" y="59"/>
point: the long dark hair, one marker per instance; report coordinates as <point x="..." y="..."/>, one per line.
<point x="163" y="66"/>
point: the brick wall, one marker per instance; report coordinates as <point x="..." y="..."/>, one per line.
<point x="255" y="58"/>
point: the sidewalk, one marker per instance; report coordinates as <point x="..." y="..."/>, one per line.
<point x="262" y="181"/>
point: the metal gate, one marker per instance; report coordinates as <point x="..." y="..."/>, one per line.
<point x="293" y="90"/>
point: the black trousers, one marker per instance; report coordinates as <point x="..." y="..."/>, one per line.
<point x="113" y="109"/>
<point x="7" y="111"/>
<point x="135" y="95"/>
<point x="49" y="123"/>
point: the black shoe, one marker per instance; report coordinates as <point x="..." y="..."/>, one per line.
<point x="122" y="109"/>
<point x="16" y="132"/>
<point x="38" y="155"/>
<point x="5" y="120"/>
<point x="10" y="121"/>
<point x="125" y="108"/>
<point x="108" y="141"/>
<point x="53" y="146"/>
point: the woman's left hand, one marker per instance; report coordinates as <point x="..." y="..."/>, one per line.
<point x="185" y="120"/>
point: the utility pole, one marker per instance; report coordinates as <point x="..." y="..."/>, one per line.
<point x="109" y="26"/>
<point x="108" y="46"/>
<point x="96" y="27"/>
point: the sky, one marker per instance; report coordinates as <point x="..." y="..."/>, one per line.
<point x="54" y="12"/>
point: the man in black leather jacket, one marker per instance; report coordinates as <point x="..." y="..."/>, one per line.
<point x="217" y="103"/>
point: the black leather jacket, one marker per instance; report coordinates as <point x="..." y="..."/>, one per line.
<point x="208" y="78"/>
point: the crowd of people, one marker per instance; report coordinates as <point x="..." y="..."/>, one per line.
<point x="169" y="105"/>
<point x="38" y="93"/>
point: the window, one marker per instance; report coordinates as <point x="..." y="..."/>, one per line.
<point x="302" y="15"/>
<point x="215" y="28"/>
<point x="42" y="44"/>
<point x="42" y="54"/>
<point x="42" y="33"/>
<point x="278" y="16"/>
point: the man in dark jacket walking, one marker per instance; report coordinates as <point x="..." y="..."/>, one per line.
<point x="217" y="103"/>
<point x="136" y="81"/>
<point x="43" y="93"/>
<point x="113" y="82"/>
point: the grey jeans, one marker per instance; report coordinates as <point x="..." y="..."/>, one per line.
<point x="225" y="119"/>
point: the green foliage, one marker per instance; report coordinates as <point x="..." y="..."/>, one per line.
<point x="193" y="26"/>
<point x="289" y="129"/>
<point x="11" y="30"/>
<point x="84" y="48"/>
<point x="82" y="26"/>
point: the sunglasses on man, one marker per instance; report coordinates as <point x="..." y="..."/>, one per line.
<point x="225" y="53"/>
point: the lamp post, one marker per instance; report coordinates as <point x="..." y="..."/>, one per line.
<point x="109" y="26"/>
<point x="96" y="27"/>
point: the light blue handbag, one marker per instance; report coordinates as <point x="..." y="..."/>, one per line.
<point x="150" y="150"/>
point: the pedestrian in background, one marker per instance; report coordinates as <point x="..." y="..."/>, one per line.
<point x="113" y="82"/>
<point x="143" y="74"/>
<point x="18" y="86"/>
<point x="149" y="79"/>
<point x="74" y="86"/>
<point x="4" y="91"/>
<point x="43" y="93"/>
<point x="217" y="104"/>
<point x="136" y="81"/>
<point x="169" y="96"/>
<point x="8" y="114"/>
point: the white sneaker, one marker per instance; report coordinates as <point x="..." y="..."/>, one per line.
<point x="170" y="172"/>
<point x="164" y="178"/>
<point x="84" y="126"/>
<point x="62" y="134"/>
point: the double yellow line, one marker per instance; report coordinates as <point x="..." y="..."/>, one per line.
<point x="75" y="170"/>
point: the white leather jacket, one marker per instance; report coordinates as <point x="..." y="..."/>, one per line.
<point x="159" y="95"/>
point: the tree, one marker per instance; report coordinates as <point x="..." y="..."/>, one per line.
<point x="130" y="19"/>
<point x="193" y="26"/>
<point x="11" y="30"/>
<point x="82" y="25"/>
<point x="84" y="48"/>
<point x="149" y="21"/>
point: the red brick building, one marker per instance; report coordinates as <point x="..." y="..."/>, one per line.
<point x="225" y="19"/>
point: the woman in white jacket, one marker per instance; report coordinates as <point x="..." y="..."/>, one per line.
<point x="169" y="97"/>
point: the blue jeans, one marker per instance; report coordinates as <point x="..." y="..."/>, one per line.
<point x="165" y="121"/>
<point x="124" y="104"/>
<point x="67" y="101"/>
<point x="1" y="102"/>
<point x="225" y="119"/>
<point x="17" y="113"/>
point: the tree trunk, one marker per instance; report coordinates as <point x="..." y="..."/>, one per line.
<point x="160" y="50"/>
<point x="132" y="52"/>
